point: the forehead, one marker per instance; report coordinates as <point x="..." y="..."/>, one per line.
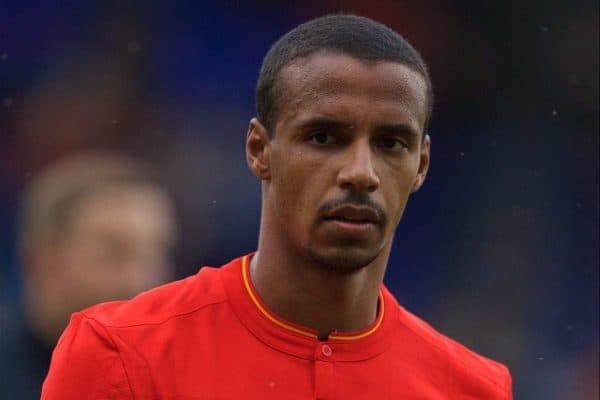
<point x="120" y="208"/>
<point x="335" y="83"/>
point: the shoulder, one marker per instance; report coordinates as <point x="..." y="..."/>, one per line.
<point x="85" y="360"/>
<point x="162" y="303"/>
<point x="474" y="372"/>
<point x="104" y="343"/>
<point x="468" y="372"/>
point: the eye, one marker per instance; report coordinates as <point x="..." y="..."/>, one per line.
<point x="392" y="143"/>
<point x="322" y="138"/>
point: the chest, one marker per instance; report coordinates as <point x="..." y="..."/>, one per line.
<point x="236" y="365"/>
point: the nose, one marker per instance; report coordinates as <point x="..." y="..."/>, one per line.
<point x="358" y="173"/>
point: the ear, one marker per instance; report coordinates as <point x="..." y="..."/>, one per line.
<point x="423" y="164"/>
<point x="257" y="150"/>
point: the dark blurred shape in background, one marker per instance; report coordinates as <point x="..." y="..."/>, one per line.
<point x="500" y="247"/>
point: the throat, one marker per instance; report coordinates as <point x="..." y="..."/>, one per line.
<point x="324" y="301"/>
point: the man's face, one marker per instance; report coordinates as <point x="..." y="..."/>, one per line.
<point x="117" y="243"/>
<point x="346" y="153"/>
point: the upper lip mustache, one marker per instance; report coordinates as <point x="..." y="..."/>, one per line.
<point x="354" y="213"/>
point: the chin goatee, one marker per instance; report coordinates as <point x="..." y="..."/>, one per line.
<point x="341" y="263"/>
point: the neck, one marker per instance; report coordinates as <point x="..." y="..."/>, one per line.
<point x="296" y="289"/>
<point x="44" y="316"/>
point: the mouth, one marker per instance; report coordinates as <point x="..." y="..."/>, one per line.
<point x="353" y="221"/>
<point x="349" y="221"/>
<point x="353" y="215"/>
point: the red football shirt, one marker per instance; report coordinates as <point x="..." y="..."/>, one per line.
<point x="211" y="337"/>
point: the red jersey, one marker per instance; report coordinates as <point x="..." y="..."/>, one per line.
<point x="211" y="337"/>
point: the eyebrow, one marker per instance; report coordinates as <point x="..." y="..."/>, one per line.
<point x="324" y="122"/>
<point x="398" y="129"/>
<point x="331" y="123"/>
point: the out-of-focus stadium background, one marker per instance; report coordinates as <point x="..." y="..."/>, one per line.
<point x="498" y="250"/>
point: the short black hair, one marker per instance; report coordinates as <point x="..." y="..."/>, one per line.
<point x="357" y="36"/>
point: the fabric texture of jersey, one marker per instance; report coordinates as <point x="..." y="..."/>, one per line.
<point x="211" y="337"/>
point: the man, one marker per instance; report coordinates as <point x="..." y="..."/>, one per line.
<point x="339" y="145"/>
<point x="94" y="227"/>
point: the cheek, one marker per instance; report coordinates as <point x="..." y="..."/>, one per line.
<point x="92" y="273"/>
<point x="294" y="183"/>
<point x="398" y="193"/>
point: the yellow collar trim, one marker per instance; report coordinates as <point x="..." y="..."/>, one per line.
<point x="267" y="314"/>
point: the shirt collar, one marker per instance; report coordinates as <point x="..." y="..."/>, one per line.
<point x="298" y="340"/>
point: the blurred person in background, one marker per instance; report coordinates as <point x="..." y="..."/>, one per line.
<point x="94" y="227"/>
<point x="339" y="144"/>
